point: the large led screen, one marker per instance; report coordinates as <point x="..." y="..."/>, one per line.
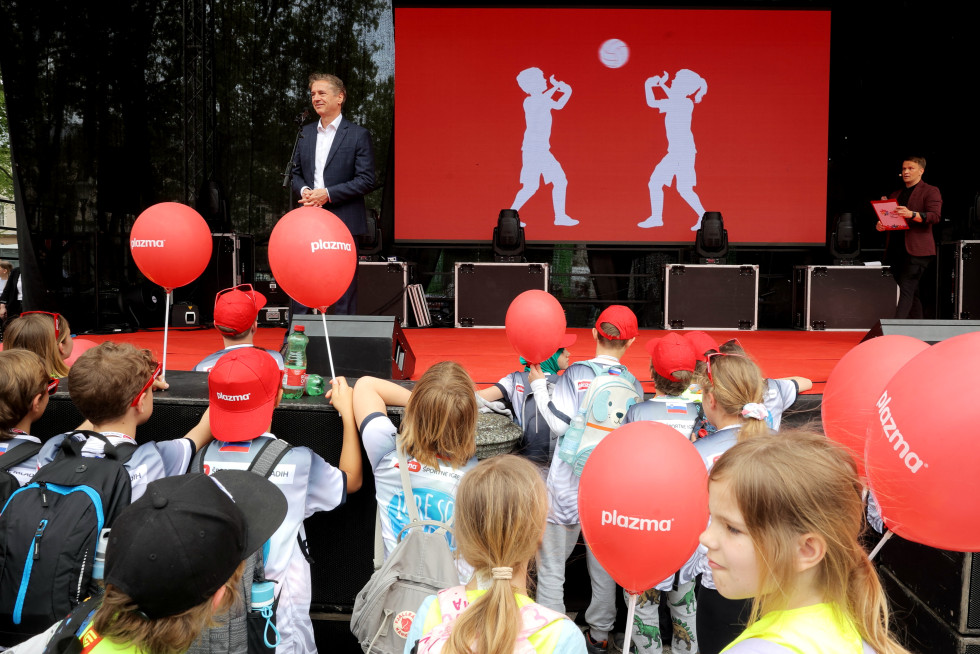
<point x="617" y="126"/>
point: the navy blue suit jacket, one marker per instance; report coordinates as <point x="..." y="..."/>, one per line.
<point x="348" y="173"/>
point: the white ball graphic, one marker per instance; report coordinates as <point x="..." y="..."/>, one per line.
<point x="613" y="53"/>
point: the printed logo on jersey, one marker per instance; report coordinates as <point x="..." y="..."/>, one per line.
<point x="677" y="407"/>
<point x="413" y="466"/>
<point x="519" y="388"/>
<point x="3" y="448"/>
<point x="583" y="385"/>
<point x="894" y="436"/>
<point x="432" y="505"/>
<point x="137" y="475"/>
<point x="243" y="446"/>
<point x="283" y="475"/>
<point x="403" y="623"/>
<point x="633" y="522"/>
<point x="329" y="245"/>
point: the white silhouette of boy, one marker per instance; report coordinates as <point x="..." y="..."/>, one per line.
<point x="679" y="161"/>
<point x="536" y="154"/>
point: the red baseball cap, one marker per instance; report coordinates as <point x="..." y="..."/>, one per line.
<point x="237" y="308"/>
<point x="622" y="319"/>
<point x="242" y="391"/>
<point x="701" y="343"/>
<point x="671" y="354"/>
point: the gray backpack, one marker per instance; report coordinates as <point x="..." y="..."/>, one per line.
<point x="420" y="565"/>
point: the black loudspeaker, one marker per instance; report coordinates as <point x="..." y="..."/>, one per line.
<point x="918" y="627"/>
<point x="930" y="331"/>
<point x="361" y="345"/>
<point x="184" y="315"/>
<point x="948" y="583"/>
<point x="341" y="541"/>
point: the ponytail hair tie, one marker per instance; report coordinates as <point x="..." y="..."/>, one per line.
<point x="755" y="411"/>
<point x="502" y="573"/>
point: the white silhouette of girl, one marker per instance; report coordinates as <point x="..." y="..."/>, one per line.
<point x="678" y="163"/>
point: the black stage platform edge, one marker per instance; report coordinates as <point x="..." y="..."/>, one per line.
<point x="930" y="331"/>
<point x="341" y="541"/>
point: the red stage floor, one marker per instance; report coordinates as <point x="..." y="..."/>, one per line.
<point x="488" y="356"/>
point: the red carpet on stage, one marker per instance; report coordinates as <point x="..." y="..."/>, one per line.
<point x="488" y="355"/>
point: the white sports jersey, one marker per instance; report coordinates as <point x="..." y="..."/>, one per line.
<point x="24" y="470"/>
<point x="150" y="461"/>
<point x="208" y="362"/>
<point x="310" y="484"/>
<point x="539" y="440"/>
<point x="567" y="399"/>
<point x="711" y="447"/>
<point x="674" y="412"/>
<point x="779" y="396"/>
<point x="435" y="490"/>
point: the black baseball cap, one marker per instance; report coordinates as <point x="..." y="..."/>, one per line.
<point x="182" y="540"/>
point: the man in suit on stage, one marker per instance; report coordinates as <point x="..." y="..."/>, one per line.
<point x="911" y="251"/>
<point x="334" y="169"/>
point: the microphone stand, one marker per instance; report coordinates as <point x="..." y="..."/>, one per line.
<point x="287" y="176"/>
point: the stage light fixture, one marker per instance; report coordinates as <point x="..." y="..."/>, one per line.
<point x="508" y="238"/>
<point x="711" y="240"/>
<point x="845" y="241"/>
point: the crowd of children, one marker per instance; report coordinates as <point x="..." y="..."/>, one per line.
<point x="780" y="565"/>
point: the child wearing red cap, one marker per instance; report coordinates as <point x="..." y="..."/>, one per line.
<point x="672" y="364"/>
<point x="244" y="389"/>
<point x="235" y="313"/>
<point x="614" y="332"/>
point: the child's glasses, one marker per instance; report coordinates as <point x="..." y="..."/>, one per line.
<point x="146" y="386"/>
<point x="55" y="316"/>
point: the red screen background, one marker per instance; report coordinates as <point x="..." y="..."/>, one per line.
<point x="760" y="129"/>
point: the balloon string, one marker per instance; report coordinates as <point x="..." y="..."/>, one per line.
<point x="884" y="539"/>
<point x="630" y="610"/>
<point x="323" y="316"/>
<point x="166" y="329"/>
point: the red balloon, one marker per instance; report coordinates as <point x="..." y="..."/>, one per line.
<point x="171" y="244"/>
<point x="855" y="384"/>
<point x="79" y="346"/>
<point x="922" y="453"/>
<point x="643" y="502"/>
<point x="312" y="256"/>
<point x="535" y="325"/>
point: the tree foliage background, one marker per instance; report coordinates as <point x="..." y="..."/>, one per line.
<point x="98" y="102"/>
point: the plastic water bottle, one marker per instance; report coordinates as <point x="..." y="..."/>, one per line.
<point x="98" y="567"/>
<point x="263" y="598"/>
<point x="572" y="438"/>
<point x="294" y="377"/>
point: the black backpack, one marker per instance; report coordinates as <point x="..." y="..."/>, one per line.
<point x="48" y="534"/>
<point x="12" y="457"/>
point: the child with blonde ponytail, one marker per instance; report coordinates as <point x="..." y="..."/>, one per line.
<point x="501" y="507"/>
<point x="786" y="514"/>
<point x="732" y="398"/>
